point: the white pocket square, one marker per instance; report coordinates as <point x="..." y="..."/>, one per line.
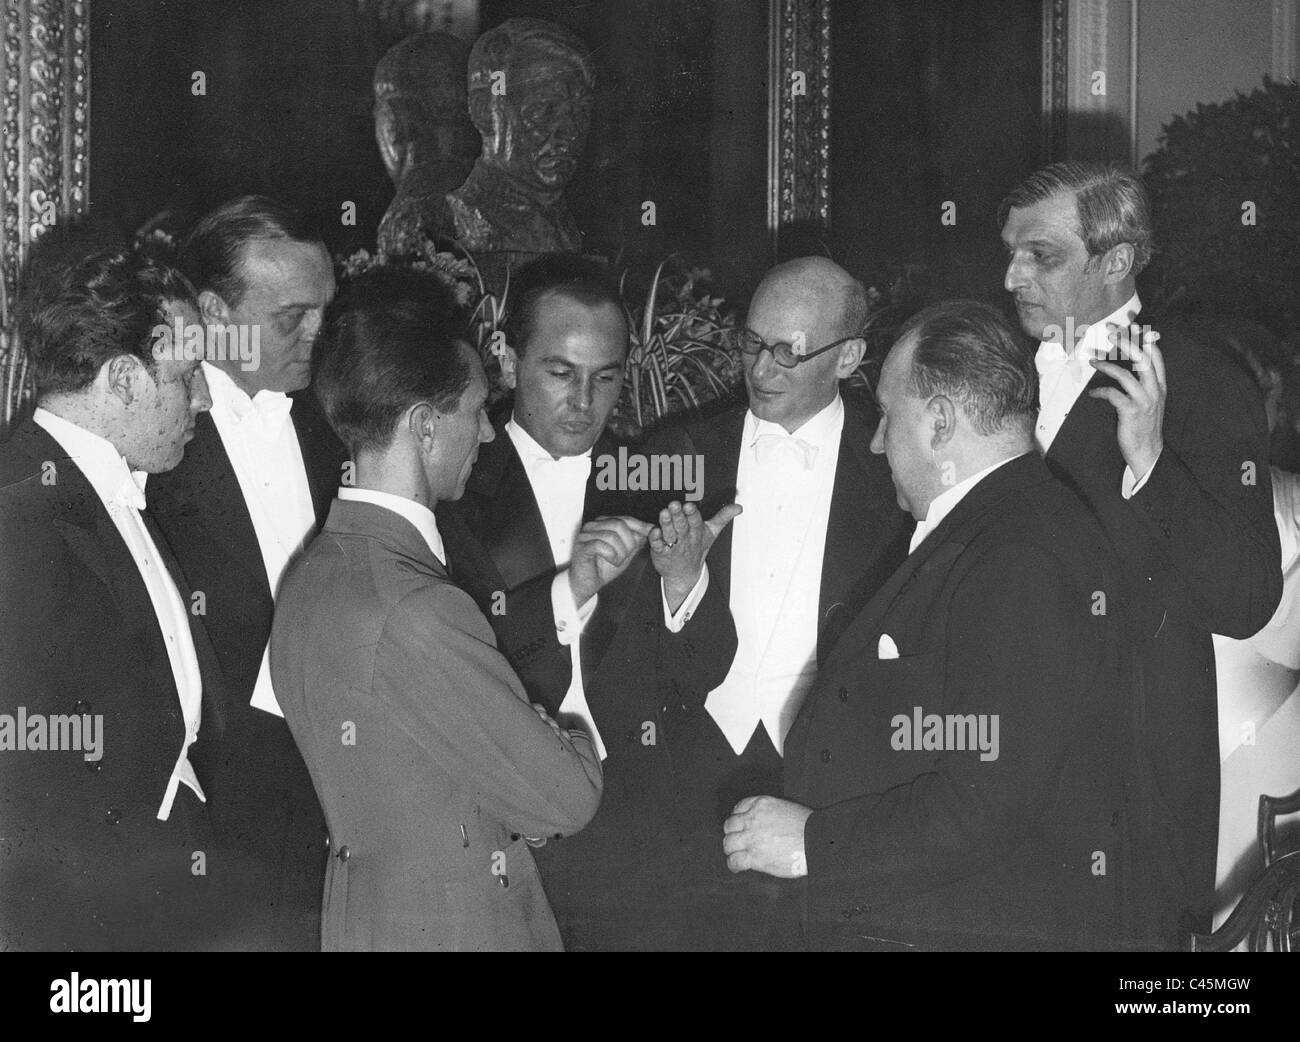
<point x="887" y="647"/>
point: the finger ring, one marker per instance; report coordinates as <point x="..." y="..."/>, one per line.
<point x="670" y="545"/>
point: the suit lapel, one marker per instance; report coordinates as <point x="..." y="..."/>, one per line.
<point x="84" y="524"/>
<point x="509" y="523"/>
<point x="599" y="502"/>
<point x="719" y="444"/>
<point x="209" y="503"/>
<point x="315" y="442"/>
<point x="863" y="530"/>
<point x="937" y="551"/>
<point x="1084" y="454"/>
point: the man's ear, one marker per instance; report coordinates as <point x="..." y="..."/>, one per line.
<point x="941" y="415"/>
<point x="1117" y="264"/>
<point x="850" y="357"/>
<point x="125" y="376"/>
<point x="509" y="365"/>
<point x="422" y="421"/>
<point x="212" y="309"/>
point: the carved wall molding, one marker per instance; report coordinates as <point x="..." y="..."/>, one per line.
<point x="44" y="171"/>
<point x="1284" y="39"/>
<point x="1055" y="78"/>
<point x="799" y="115"/>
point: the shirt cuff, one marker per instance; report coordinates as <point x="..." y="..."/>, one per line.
<point x="570" y="619"/>
<point x="1129" y="487"/>
<point x="675" y="621"/>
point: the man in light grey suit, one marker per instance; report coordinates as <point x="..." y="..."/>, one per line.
<point x="433" y="770"/>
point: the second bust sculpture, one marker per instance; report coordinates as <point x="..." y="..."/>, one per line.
<point x="531" y="89"/>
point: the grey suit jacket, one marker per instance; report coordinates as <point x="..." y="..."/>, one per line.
<point x="426" y="756"/>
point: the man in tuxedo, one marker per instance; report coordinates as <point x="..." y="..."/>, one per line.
<point x="952" y="779"/>
<point x="434" y="771"/>
<point x="819" y="518"/>
<point x="249" y="494"/>
<point x="608" y="657"/>
<point x="105" y="842"/>
<point x="1168" y="445"/>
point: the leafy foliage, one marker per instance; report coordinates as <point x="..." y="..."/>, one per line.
<point x="678" y="359"/>
<point x="1210" y="164"/>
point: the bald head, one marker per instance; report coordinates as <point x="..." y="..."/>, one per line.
<point x="809" y="302"/>
<point x="823" y="285"/>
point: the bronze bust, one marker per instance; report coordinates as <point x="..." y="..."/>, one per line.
<point x="530" y="85"/>
<point x="424" y="134"/>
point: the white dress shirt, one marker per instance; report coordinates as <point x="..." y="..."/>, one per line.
<point x="946" y="501"/>
<point x="784" y="483"/>
<point x="1064" y="372"/>
<point x="417" y="513"/>
<point x="122" y="493"/>
<point x="259" y="438"/>
<point x="560" y="488"/>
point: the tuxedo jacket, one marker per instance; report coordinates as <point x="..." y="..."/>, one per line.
<point x="84" y="862"/>
<point x="930" y="839"/>
<point x="634" y="674"/>
<point x="262" y="799"/>
<point x="866" y="538"/>
<point x="1200" y="555"/>
<point x="432" y="767"/>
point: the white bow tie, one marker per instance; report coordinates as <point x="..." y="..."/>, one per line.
<point x="131" y="492"/>
<point x="565" y="464"/>
<point x="773" y="446"/>
<point x="1051" y="360"/>
<point x="268" y="413"/>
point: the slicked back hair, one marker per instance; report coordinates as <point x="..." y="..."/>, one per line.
<point x="1111" y="203"/>
<point x="391" y="340"/>
<point x="565" y="274"/>
<point x="967" y="352"/>
<point x="212" y="254"/>
<point x="77" y="311"/>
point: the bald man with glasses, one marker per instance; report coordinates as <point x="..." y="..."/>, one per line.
<point x="820" y="515"/>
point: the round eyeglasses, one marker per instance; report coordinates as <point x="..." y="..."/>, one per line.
<point x="747" y="342"/>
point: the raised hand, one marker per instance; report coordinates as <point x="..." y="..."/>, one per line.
<point x="680" y="544"/>
<point x="603" y="549"/>
<point x="1139" y="400"/>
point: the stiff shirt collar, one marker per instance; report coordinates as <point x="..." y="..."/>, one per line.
<point x="105" y="468"/>
<point x="529" y="449"/>
<point x="1095" y="341"/>
<point x="417" y="513"/>
<point x="946" y="502"/>
<point x="230" y="398"/>
<point x="817" y="430"/>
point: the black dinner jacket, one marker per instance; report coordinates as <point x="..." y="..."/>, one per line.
<point x="84" y="863"/>
<point x="866" y="539"/>
<point x="1200" y="555"/>
<point x="993" y="615"/>
<point x="601" y="882"/>
<point x="262" y="799"/>
<point x="867" y="532"/>
<point x="496" y="544"/>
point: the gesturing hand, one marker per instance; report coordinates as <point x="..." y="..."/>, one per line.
<point x="680" y="544"/>
<point x="1139" y="400"/>
<point x="603" y="549"/>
